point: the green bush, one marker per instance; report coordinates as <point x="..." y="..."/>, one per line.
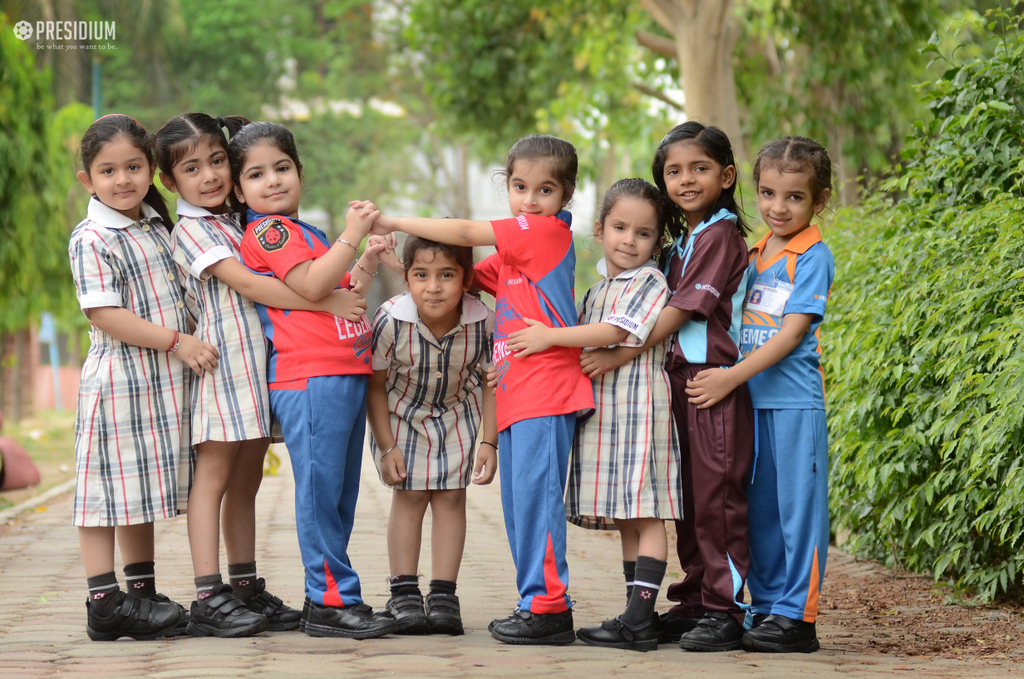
<point x="925" y="372"/>
<point x="923" y="346"/>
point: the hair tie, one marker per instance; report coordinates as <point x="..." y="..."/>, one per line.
<point x="123" y="115"/>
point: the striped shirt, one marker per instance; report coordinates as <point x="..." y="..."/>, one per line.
<point x="231" y="403"/>
<point x="626" y="458"/>
<point x="434" y="389"/>
<point x="132" y="454"/>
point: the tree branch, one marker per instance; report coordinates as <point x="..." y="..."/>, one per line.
<point x="651" y="92"/>
<point x="663" y="12"/>
<point x="657" y="43"/>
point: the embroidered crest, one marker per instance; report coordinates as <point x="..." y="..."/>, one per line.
<point x="271" y="234"/>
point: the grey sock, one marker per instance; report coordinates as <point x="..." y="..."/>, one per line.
<point x="205" y="585"/>
<point x="646" y="583"/>
<point x="629" y="571"/>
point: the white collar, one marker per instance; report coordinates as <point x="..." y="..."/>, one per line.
<point x="473" y="310"/>
<point x="187" y="209"/>
<point x="111" y="218"/>
<point x="602" y="268"/>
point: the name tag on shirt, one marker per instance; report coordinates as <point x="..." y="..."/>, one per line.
<point x="770" y="300"/>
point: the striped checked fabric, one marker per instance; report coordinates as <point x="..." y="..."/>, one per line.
<point x="132" y="453"/>
<point x="626" y="460"/>
<point x="434" y="388"/>
<point x="232" y="403"/>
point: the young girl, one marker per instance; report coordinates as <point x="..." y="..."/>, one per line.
<point x="317" y="374"/>
<point x="132" y="430"/>
<point x="230" y="407"/>
<point x="538" y="397"/>
<point x="791" y="273"/>
<point x="625" y="464"/>
<point x="707" y="264"/>
<point x="426" y="400"/>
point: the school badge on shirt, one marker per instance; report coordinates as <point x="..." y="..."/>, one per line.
<point x="271" y="234"/>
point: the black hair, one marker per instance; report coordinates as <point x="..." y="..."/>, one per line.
<point x="716" y="144"/>
<point x="460" y="254"/>
<point x="564" y="165"/>
<point x="107" y="129"/>
<point x="182" y="134"/>
<point x="797" y="154"/>
<point x="257" y="133"/>
<point x="634" y="187"/>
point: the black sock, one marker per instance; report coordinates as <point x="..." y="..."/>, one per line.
<point x="205" y="585"/>
<point x="139" y="579"/>
<point x="442" y="587"/>
<point x="103" y="591"/>
<point x="646" y="583"/>
<point x="629" y="571"/>
<point x="242" y="577"/>
<point x="404" y="584"/>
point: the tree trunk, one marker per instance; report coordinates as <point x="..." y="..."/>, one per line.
<point x="705" y="35"/>
<point x="17" y="411"/>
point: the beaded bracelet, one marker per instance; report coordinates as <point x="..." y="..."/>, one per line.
<point x="174" y="343"/>
<point x="342" y="240"/>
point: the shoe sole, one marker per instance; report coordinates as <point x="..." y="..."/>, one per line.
<point x="414" y="627"/>
<point x="283" y="626"/>
<point x="641" y="646"/>
<point x="808" y="646"/>
<point x="560" y="639"/>
<point x="452" y="627"/>
<point x="317" y="630"/>
<point x="114" y="636"/>
<point x="711" y="648"/>
<point x="198" y="629"/>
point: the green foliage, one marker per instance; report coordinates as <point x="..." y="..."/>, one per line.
<point x="925" y="368"/>
<point x="973" y="148"/>
<point x="34" y="274"/>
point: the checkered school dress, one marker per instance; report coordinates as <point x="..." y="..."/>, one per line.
<point x="626" y="462"/>
<point x="434" y="389"/>
<point x="232" y="403"/>
<point x="132" y="454"/>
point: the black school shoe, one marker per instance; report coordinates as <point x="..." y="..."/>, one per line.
<point x="352" y="622"/>
<point x="615" y="633"/>
<point x="181" y="628"/>
<point x="223" y="615"/>
<point x="281" y="618"/>
<point x="716" y="631"/>
<point x="407" y="610"/>
<point x="779" y="634"/>
<point x="672" y="627"/>
<point x="132" y="617"/>
<point x="444" y="615"/>
<point x="535" y="629"/>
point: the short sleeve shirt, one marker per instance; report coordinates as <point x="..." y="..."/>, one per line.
<point x="796" y="281"/>
<point x="533" y="275"/>
<point x="305" y="343"/>
<point x="711" y="287"/>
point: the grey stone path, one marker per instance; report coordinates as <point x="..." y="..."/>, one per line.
<point x="42" y="614"/>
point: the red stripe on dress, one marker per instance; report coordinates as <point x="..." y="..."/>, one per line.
<point x="117" y="445"/>
<point x="156" y="446"/>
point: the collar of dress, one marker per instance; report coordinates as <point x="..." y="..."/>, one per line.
<point x="473" y="310"/>
<point x="112" y="219"/>
<point x="602" y="268"/>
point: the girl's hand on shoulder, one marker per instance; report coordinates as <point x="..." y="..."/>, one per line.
<point x="199" y="355"/>
<point x="347" y="304"/>
<point x="531" y="340"/>
<point x="708" y="387"/>
<point x="360" y="217"/>
<point x="392" y="468"/>
<point x="486" y="464"/>
<point x="597" y="362"/>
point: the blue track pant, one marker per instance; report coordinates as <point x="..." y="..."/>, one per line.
<point x="788" y="499"/>
<point x="534" y="464"/>
<point x="323" y="426"/>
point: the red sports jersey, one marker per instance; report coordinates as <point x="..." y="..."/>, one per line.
<point x="305" y="343"/>
<point x="532" y="276"/>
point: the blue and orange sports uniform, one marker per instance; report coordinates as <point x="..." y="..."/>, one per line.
<point x="537" y="399"/>
<point x="319" y="365"/>
<point x="788" y="492"/>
